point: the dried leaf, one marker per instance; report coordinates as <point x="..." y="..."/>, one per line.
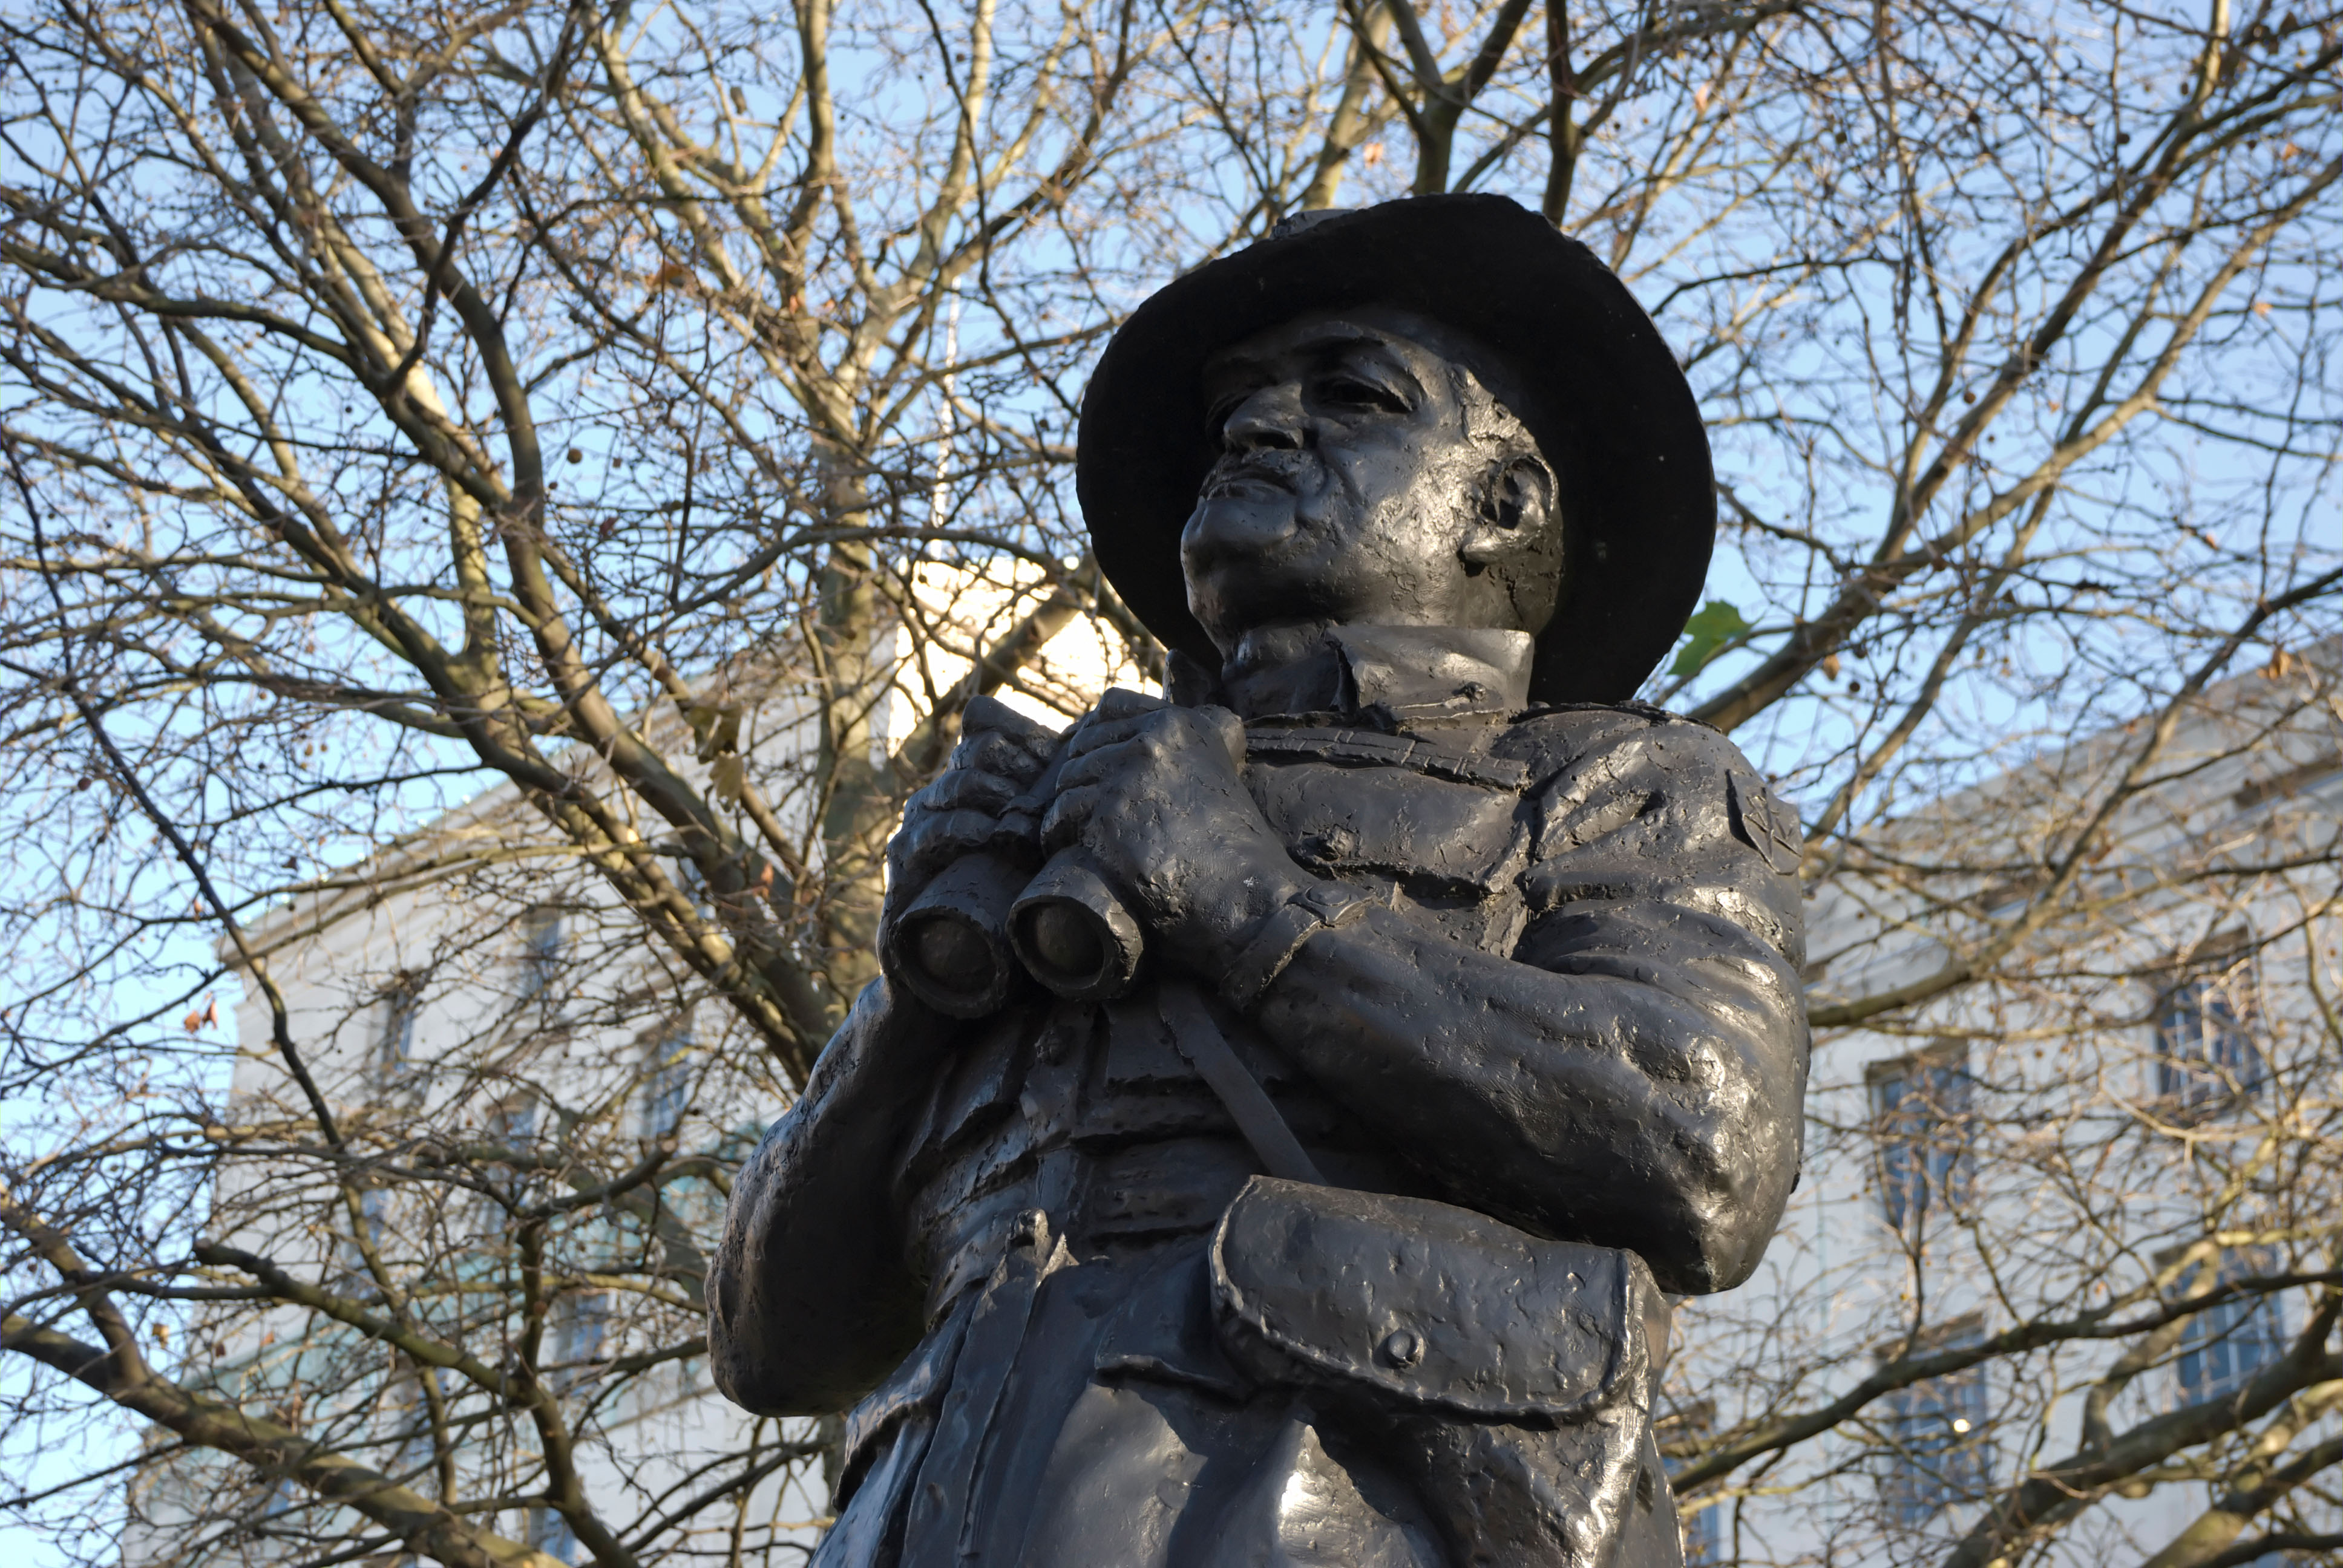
<point x="715" y="728"/>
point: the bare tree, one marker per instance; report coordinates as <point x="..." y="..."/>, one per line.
<point x="642" y="411"/>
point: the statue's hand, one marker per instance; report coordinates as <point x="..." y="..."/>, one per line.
<point x="1157" y="801"/>
<point x="1000" y="756"/>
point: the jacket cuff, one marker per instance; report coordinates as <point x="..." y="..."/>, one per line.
<point x="1321" y="905"/>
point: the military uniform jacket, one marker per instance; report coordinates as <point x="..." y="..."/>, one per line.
<point x="1554" y="1069"/>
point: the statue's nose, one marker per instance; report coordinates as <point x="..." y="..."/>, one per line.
<point x="1269" y="420"/>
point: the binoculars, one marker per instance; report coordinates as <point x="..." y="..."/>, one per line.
<point x="997" y="915"/>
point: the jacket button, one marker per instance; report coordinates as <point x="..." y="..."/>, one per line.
<point x="1401" y="1348"/>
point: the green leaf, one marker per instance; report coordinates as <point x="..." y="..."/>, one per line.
<point x="1714" y="628"/>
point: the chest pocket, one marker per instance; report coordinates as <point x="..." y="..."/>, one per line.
<point x="1447" y="850"/>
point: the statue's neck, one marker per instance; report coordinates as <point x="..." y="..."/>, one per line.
<point x="1384" y="674"/>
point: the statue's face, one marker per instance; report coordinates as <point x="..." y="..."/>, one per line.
<point x="1364" y="478"/>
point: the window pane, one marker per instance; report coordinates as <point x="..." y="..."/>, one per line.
<point x="1938" y="1449"/>
<point x="540" y="955"/>
<point x="395" y="1054"/>
<point x="2225" y="1346"/>
<point x="581" y="1338"/>
<point x="2205" y="1054"/>
<point x="670" y="1091"/>
<point x="1704" y="1537"/>
<point x="1921" y="1108"/>
<point x="550" y="1533"/>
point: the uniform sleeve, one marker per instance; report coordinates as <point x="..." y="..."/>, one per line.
<point x="811" y="1298"/>
<point x="1631" y="1074"/>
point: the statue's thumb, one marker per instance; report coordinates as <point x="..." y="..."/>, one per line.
<point x="1230" y="729"/>
<point x="991" y="715"/>
<point x="1121" y="702"/>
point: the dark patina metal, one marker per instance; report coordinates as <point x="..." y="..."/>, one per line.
<point x="1294" y="1100"/>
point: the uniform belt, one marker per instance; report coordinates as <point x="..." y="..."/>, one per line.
<point x="1125" y="1196"/>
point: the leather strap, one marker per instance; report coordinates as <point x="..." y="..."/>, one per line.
<point x="1199" y="1039"/>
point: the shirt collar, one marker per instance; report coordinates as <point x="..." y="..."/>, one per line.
<point x="1385" y="675"/>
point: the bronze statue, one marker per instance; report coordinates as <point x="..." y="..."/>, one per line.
<point x="1292" y="1098"/>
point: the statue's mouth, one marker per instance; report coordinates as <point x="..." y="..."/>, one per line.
<point x="1270" y="473"/>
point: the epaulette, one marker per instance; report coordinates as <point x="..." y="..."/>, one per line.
<point x="1646" y="711"/>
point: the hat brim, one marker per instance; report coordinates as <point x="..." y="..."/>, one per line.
<point x="1605" y="399"/>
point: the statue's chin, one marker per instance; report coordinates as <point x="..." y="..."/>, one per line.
<point x="1250" y="522"/>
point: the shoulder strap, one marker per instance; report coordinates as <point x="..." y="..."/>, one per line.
<point x="1199" y="1039"/>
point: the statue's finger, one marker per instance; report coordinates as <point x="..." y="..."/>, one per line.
<point x="1069" y="814"/>
<point x="964" y="789"/>
<point x="1228" y="729"/>
<point x="1121" y="702"/>
<point x="1097" y="737"/>
<point x="927" y="846"/>
<point x="1114" y="713"/>
<point x="1094" y="768"/>
<point x="990" y="715"/>
<point x="984" y="751"/>
<point x="967" y="828"/>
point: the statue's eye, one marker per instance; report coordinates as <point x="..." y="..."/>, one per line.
<point x="1357" y="392"/>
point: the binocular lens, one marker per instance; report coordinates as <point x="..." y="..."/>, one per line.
<point x="953" y="954"/>
<point x="1065" y="942"/>
<point x="966" y="943"/>
<point x="949" y="947"/>
<point x="1073" y="933"/>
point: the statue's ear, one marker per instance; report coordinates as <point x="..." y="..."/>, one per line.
<point x="1516" y="517"/>
<point x="1517" y="539"/>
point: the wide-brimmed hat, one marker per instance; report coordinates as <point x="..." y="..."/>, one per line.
<point x="1579" y="363"/>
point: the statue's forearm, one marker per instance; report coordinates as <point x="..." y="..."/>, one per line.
<point x="1639" y="1100"/>
<point x="811" y="1300"/>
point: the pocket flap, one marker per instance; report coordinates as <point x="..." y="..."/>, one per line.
<point x="1435" y="1304"/>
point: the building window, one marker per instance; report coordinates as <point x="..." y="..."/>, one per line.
<point x="668" y="1092"/>
<point x="1704" y="1532"/>
<point x="402" y="1004"/>
<point x="550" y="1533"/>
<point x="695" y="888"/>
<point x="2206" y="1057"/>
<point x="412" y="1454"/>
<point x="513" y="1122"/>
<point x="1920" y="1112"/>
<point x="1703" y="1536"/>
<point x="581" y="1338"/>
<point x="374" y="1220"/>
<point x="1935" y="1432"/>
<point x="2223" y="1348"/>
<point x="512" y="1130"/>
<point x="540" y="951"/>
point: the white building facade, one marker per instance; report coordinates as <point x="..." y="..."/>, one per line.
<point x="498" y="1270"/>
<point x="548" y="1112"/>
<point x="2132" y="1106"/>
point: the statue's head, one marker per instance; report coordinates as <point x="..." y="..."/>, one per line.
<point x="1369" y="475"/>
<point x="1436" y="412"/>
